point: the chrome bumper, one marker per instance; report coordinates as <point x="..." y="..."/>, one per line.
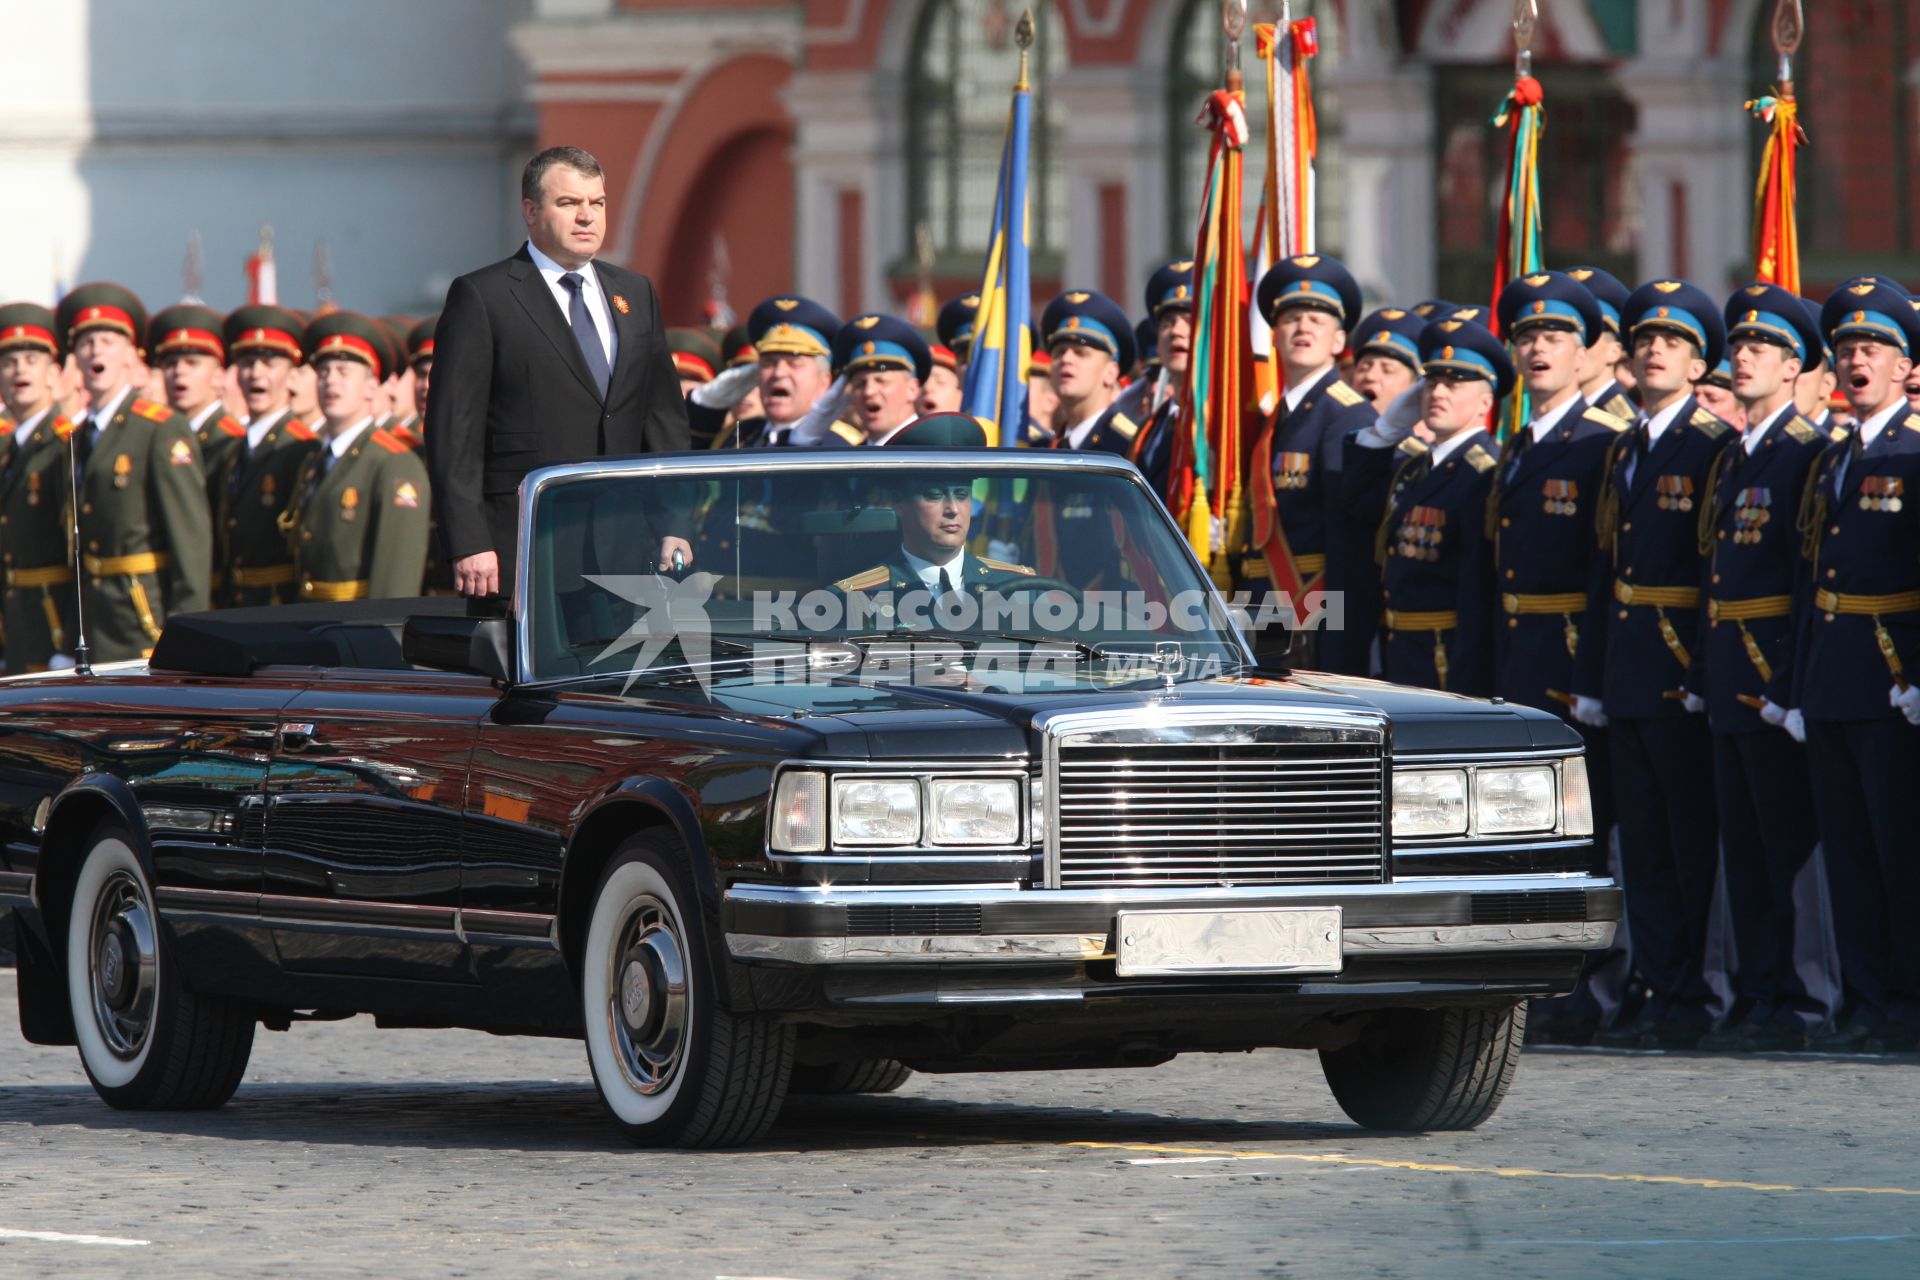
<point x="1410" y="917"/>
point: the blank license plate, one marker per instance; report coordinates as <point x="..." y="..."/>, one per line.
<point x="1250" y="940"/>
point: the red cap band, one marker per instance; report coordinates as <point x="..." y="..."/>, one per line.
<point x="191" y="340"/>
<point x="103" y="318"/>
<point x="345" y="344"/>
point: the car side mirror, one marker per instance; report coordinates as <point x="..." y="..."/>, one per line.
<point x="1272" y="648"/>
<point x="478" y="646"/>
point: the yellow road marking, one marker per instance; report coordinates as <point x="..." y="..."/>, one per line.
<point x="1416" y="1166"/>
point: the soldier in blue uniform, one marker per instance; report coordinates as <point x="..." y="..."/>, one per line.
<point x="1386" y="355"/>
<point x="1599" y="379"/>
<point x="1858" y="624"/>
<point x="1313" y="303"/>
<point x="885" y="362"/>
<point x="1090" y="342"/>
<point x="1638" y="652"/>
<point x="1436" y="566"/>
<point x="1170" y="308"/>
<point x="1786" y="975"/>
<point x="954" y="325"/>
<point x="790" y="339"/>
<point x="1540" y="517"/>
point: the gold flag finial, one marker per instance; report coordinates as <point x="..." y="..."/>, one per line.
<point x="1789" y="28"/>
<point x="1023" y="36"/>
<point x="1233" y="20"/>
<point x="1526" y="16"/>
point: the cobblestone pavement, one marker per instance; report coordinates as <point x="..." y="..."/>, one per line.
<point x="355" y="1151"/>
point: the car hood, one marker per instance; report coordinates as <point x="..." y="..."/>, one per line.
<point x="866" y="719"/>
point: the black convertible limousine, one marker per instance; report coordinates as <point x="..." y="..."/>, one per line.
<point x="933" y="760"/>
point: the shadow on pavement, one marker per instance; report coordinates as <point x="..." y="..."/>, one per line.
<point x="545" y="1116"/>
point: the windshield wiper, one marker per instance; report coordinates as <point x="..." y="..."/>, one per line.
<point x="975" y="638"/>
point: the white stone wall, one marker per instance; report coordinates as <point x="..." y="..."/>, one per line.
<point x="393" y="129"/>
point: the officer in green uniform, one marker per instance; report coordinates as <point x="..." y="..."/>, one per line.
<point x="35" y="492"/>
<point x="186" y="344"/>
<point x="358" y="523"/>
<point x="933" y="568"/>
<point x="146" y="534"/>
<point x="256" y="482"/>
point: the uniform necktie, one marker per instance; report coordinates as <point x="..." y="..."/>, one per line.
<point x="1854" y="449"/>
<point x="946" y="586"/>
<point x="585" y="334"/>
<point x="84" y="439"/>
<point x="1517" y="446"/>
<point x="1637" y="446"/>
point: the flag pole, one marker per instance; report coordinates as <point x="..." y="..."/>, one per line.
<point x="1776" y="225"/>
<point x="1518" y="243"/>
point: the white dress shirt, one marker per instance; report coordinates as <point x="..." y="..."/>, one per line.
<point x="1451" y="445"/>
<point x="102" y="415"/>
<point x="551" y="271"/>
<point x="258" y="427"/>
<point x="1870" y="429"/>
<point x="1547" y="421"/>
<point x="339" y="444"/>
<point x="1298" y="391"/>
<point x="25" y="428"/>
<point x="929" y="572"/>
<point x="200" y="419"/>
<point x="1077" y="433"/>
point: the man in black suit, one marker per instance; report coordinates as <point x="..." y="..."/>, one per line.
<point x="546" y="357"/>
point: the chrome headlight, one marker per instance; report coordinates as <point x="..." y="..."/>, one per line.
<point x="1429" y="802"/>
<point x="974" y="811"/>
<point x="1514" y="800"/>
<point x="876" y="811"/>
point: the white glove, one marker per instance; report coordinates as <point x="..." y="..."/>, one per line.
<point x="815" y="426"/>
<point x="1589" y="712"/>
<point x="60" y="662"/>
<point x="1796" y="725"/>
<point x="1002" y="549"/>
<point x="1906" y="702"/>
<point x="1773" y="713"/>
<point x="727" y="390"/>
<point x="1396" y="424"/>
<point x="1694" y="703"/>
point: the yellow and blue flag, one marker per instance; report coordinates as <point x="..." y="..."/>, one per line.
<point x="996" y="388"/>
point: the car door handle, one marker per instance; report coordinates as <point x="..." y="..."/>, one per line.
<point x="296" y="737"/>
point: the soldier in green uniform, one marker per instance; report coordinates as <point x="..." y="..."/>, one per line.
<point x="358" y="523"/>
<point x="186" y="344"/>
<point x="35" y="492"/>
<point x="256" y="482"/>
<point x="146" y="534"/>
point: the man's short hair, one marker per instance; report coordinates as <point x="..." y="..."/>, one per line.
<point x="578" y="159"/>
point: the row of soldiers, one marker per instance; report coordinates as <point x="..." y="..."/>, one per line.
<point x="1682" y="542"/>
<point x="178" y="504"/>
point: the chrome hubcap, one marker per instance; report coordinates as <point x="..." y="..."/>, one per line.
<point x="125" y="965"/>
<point x="648" y="1013"/>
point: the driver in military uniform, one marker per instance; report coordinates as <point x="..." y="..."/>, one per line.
<point x="146" y="534"/>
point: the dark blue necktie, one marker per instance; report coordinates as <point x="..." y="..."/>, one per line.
<point x="585" y="334"/>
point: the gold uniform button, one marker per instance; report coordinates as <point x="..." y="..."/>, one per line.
<point x="1829" y="617"/>
<point x="232" y="523"/>
<point x="1513" y="622"/>
<point x="1723" y="533"/>
<point x="86" y="508"/>
<point x="1623" y="615"/>
<point x="1830" y="573"/>
<point x="1627" y="527"/>
<point x="1716" y="577"/>
<point x="1835" y="529"/>
<point x="306" y="535"/>
<point x="1509" y="573"/>
<point x="1506" y="522"/>
<point x="96" y="584"/>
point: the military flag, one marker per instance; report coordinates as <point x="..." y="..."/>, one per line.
<point x="1205" y="494"/>
<point x="996" y="387"/>
<point x="1776" y="226"/>
<point x="1517" y="246"/>
<point x="1284" y="226"/>
<point x="263" y="284"/>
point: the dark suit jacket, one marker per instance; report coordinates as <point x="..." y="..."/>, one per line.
<point x="511" y="393"/>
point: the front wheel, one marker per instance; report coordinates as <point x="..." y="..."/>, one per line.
<point x="147" y="1043"/>
<point x="1428" y="1068"/>
<point x="673" y="1067"/>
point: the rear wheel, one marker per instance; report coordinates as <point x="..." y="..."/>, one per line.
<point x="673" y="1067"/>
<point x="862" y="1075"/>
<point x="147" y="1043"/>
<point x="1428" y="1068"/>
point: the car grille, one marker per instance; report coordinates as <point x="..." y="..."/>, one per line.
<point x="1173" y="813"/>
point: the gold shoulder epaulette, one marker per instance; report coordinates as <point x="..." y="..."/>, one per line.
<point x="1836" y="433"/>
<point x="1611" y="421"/>
<point x="1126" y="426"/>
<point x="848" y="432"/>
<point x="1006" y="566"/>
<point x="1480" y="460"/>
<point x="1619" y="407"/>
<point x="148" y="409"/>
<point x="1412" y="447"/>
<point x="1800" y="431"/>
<point x="865" y="578"/>
<point x="1708" y="424"/>
<point x="300" y="430"/>
<point x="1913" y="422"/>
<point x="1346" y="395"/>
<point x="231" y="425"/>
<point x="388" y="441"/>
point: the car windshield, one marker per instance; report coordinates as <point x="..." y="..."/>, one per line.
<point x="1047" y="572"/>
